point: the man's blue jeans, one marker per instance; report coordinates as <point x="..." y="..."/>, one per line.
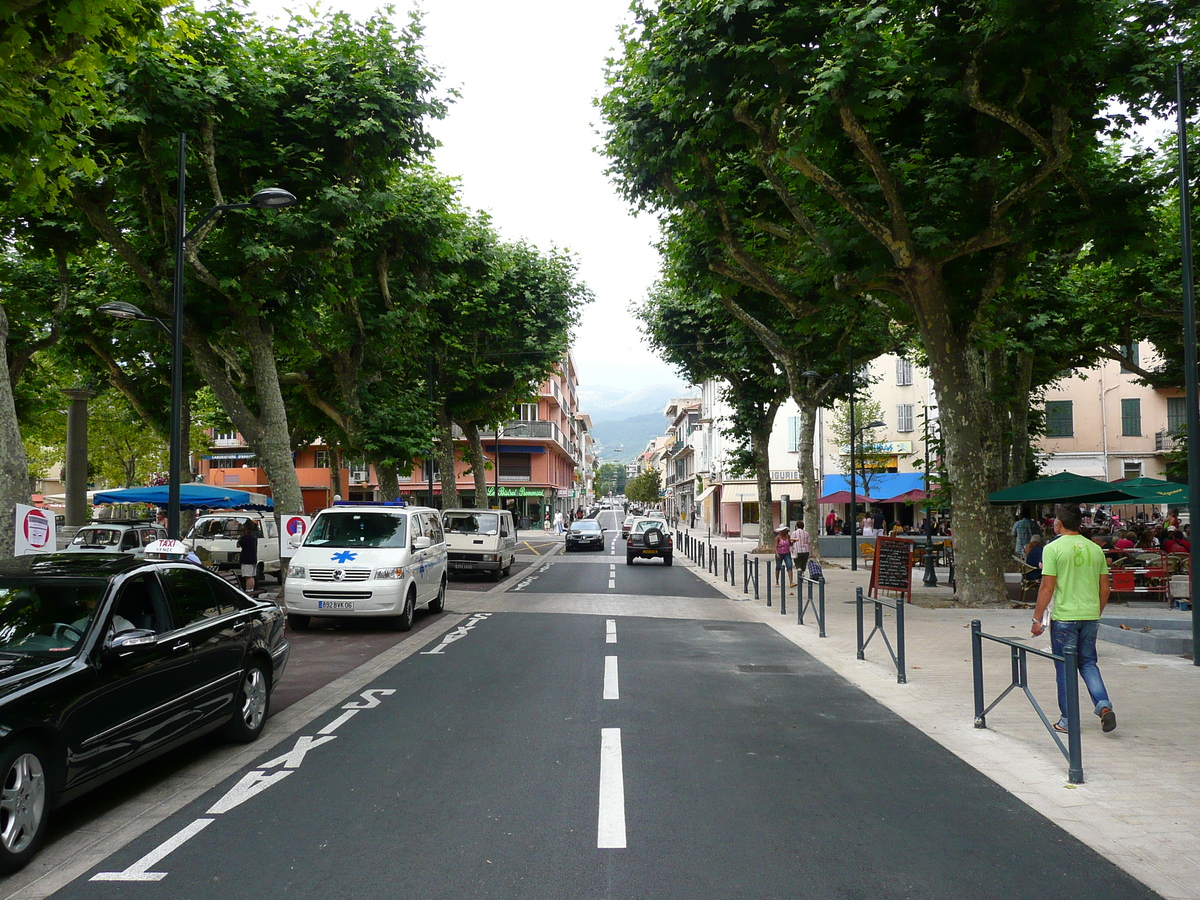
<point x="1080" y="636"/>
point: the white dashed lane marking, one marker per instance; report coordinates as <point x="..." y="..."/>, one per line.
<point x="610" y="833"/>
<point x="610" y="631"/>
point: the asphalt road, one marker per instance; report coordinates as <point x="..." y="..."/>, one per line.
<point x="534" y="755"/>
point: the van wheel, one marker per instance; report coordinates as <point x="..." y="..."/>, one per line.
<point x="404" y="621"/>
<point x="297" y="622"/>
<point x="24" y="807"/>
<point x="438" y="603"/>
<point x="508" y="568"/>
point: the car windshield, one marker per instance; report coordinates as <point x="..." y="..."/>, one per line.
<point x="358" y="529"/>
<point x="45" y="617"/>
<point x="224" y="527"/>
<point x="585" y="525"/>
<point x="646" y="524"/>
<point x="471" y="523"/>
<point x="98" y="537"/>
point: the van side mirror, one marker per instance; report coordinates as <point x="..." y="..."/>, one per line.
<point x="422" y="543"/>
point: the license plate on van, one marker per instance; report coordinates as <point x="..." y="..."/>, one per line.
<point x="335" y="604"/>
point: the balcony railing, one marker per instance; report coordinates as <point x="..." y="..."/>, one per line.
<point x="1164" y="441"/>
<point x="504" y="477"/>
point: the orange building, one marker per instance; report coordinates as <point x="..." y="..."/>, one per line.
<point x="540" y="450"/>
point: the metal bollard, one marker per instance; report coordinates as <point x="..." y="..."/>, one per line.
<point x="1074" y="744"/>
<point x="768" y="585"/>
<point x="858" y="599"/>
<point x="901" y="673"/>
<point x="745" y="574"/>
<point x="977" y="672"/>
<point x="783" y="597"/>
<point x="756" y="578"/>
<point x="821" y="607"/>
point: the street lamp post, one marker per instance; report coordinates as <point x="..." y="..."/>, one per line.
<point x="496" y="477"/>
<point x="268" y="198"/>
<point x="930" y="579"/>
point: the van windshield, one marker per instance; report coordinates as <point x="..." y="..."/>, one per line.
<point x="224" y="527"/>
<point x="471" y="523"/>
<point x="358" y="529"/>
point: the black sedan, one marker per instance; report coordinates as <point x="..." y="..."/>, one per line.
<point x="109" y="660"/>
<point x="585" y="534"/>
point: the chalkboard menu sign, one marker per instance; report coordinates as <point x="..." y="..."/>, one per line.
<point x="893" y="567"/>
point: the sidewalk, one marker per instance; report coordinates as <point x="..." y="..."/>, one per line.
<point x="1140" y="803"/>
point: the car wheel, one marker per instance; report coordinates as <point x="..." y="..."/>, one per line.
<point x="629" y="559"/>
<point x="667" y="559"/>
<point x="252" y="704"/>
<point x="404" y="621"/>
<point x="23" y="804"/>
<point x="438" y="603"/>
<point x="297" y="622"/>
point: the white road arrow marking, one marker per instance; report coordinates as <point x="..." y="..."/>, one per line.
<point x="139" y="871"/>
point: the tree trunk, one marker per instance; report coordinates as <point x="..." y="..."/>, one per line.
<point x="389" y="482"/>
<point x="808" y="475"/>
<point x="478" y="463"/>
<point x="760" y="438"/>
<point x="14" y="468"/>
<point x="975" y="454"/>
<point x="445" y="451"/>
<point x="267" y="432"/>
<point x="335" y="473"/>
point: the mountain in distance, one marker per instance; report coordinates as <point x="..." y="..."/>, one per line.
<point x="614" y="404"/>
<point x="624" y="422"/>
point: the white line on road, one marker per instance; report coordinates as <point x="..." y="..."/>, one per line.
<point x="610" y="834"/>
<point x="610" y="631"/>
<point x="339" y="721"/>
<point x="139" y="870"/>
<point x="610" y="678"/>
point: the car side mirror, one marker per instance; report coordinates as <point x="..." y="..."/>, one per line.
<point x="294" y="542"/>
<point x="422" y="543"/>
<point x="128" y="643"/>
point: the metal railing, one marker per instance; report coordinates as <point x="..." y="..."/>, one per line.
<point x="897" y="653"/>
<point x="1019" y="656"/>
<point x="811" y="584"/>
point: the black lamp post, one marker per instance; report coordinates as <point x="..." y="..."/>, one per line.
<point x="268" y="198"/>
<point x="854" y="436"/>
<point x="930" y="578"/>
<point x="496" y="477"/>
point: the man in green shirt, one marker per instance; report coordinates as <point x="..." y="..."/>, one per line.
<point x="1075" y="576"/>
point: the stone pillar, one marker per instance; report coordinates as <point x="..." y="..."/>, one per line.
<point x="77" y="456"/>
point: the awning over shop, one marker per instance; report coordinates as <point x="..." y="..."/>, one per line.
<point x="882" y="484"/>
<point x="191" y="496"/>
<point x="907" y="497"/>
<point x="514" y="448"/>
<point x="706" y="493"/>
<point x="1064" y="486"/>
<point x="743" y="493"/>
<point x="844" y="497"/>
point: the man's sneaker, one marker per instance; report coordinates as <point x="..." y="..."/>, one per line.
<point x="1108" y="719"/>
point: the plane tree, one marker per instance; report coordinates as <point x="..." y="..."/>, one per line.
<point x="917" y="153"/>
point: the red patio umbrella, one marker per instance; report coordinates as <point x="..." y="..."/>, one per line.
<point x="844" y="497"/>
<point x="908" y="496"/>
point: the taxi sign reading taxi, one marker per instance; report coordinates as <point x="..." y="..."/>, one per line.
<point x="291" y="532"/>
<point x="35" y="531"/>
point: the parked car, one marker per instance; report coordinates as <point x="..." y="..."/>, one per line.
<point x="107" y="661"/>
<point x="649" y="538"/>
<point x="214" y="537"/>
<point x="585" y="534"/>
<point x="479" y="540"/>
<point x="627" y="524"/>
<point x="368" y="559"/>
<point x="116" y="536"/>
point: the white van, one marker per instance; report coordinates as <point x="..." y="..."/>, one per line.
<point x="368" y="559"/>
<point x="214" y="537"/>
<point x="480" y="540"/>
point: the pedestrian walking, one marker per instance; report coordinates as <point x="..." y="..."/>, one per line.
<point x="783" y="556"/>
<point x="1075" y="578"/>
<point x="801" y="547"/>
<point x="558" y="522"/>
<point x="546" y="524"/>
<point x="248" y="558"/>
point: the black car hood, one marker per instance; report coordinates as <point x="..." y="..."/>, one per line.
<point x="18" y="672"/>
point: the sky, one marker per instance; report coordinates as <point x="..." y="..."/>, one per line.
<point x="521" y="137"/>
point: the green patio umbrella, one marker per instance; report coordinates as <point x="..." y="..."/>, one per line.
<point x="1154" y="490"/>
<point x="1065" y="486"/>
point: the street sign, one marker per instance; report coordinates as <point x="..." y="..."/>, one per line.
<point x="291" y="532"/>
<point x="35" y="531"/>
